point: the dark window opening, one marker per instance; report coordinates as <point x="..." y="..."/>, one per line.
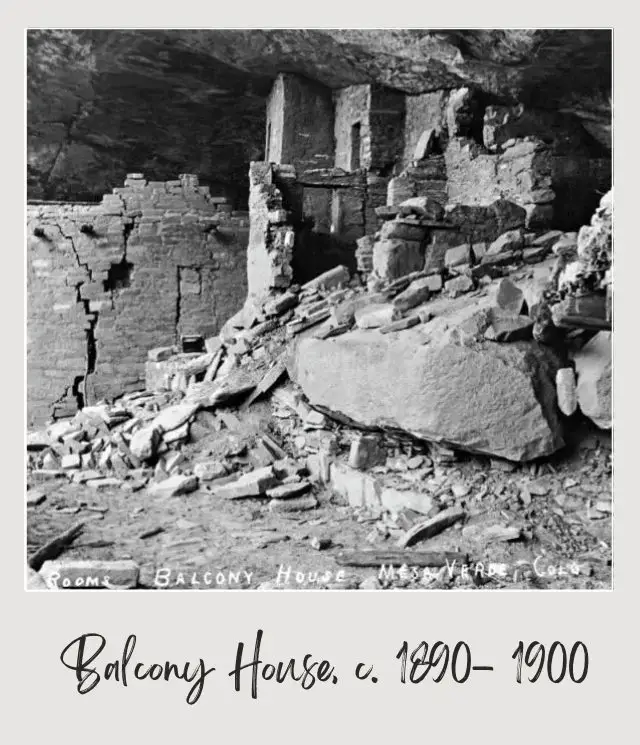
<point x="355" y="146"/>
<point x="119" y="276"/>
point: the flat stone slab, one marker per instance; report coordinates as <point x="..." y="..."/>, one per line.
<point x="477" y="396"/>
<point x="174" y="486"/>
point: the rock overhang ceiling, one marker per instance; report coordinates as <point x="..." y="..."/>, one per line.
<point x="101" y="103"/>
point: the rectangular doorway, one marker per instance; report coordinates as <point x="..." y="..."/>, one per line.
<point x="355" y="146"/>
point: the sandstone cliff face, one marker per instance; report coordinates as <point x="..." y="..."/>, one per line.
<point x="102" y="103"/>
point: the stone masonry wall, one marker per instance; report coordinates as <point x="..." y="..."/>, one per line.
<point x="424" y="112"/>
<point x="386" y="124"/>
<point x="352" y="106"/>
<point x="106" y="282"/>
<point x="299" y="120"/>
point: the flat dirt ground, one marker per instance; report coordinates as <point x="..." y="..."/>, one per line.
<point x="562" y="525"/>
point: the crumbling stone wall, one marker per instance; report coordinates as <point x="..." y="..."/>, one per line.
<point x="305" y="221"/>
<point x="521" y="174"/>
<point x="544" y="161"/>
<point x="427" y="111"/>
<point x="271" y="235"/>
<point x="299" y="121"/>
<point x="108" y="281"/>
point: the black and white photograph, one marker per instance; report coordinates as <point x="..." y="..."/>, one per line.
<point x="319" y="309"/>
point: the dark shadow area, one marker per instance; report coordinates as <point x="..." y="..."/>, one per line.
<point x="119" y="276"/>
<point x="315" y="253"/>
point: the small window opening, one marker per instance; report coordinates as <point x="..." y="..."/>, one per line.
<point x="268" y="146"/>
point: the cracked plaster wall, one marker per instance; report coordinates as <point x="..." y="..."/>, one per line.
<point x="107" y="282"/>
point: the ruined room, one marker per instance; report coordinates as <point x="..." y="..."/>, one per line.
<point x="319" y="309"/>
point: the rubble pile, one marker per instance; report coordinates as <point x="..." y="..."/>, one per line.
<point x="369" y="392"/>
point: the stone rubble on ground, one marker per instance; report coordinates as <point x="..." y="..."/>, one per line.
<point x="442" y="358"/>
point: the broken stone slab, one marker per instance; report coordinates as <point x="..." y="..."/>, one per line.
<point x="328" y="331"/>
<point x="458" y="285"/>
<point x="498" y="260"/>
<point x="508" y="327"/>
<point x="386" y="212"/>
<point x="298" y="325"/>
<point x="271" y="377"/>
<point x="375" y="316"/>
<point x="366" y="452"/>
<point x="261" y="329"/>
<point x="288" y="491"/>
<point x="426" y="529"/>
<point x="358" y="488"/>
<point x="593" y="373"/>
<point x="481" y="397"/>
<point x="160" y="354"/>
<point x="34" y="497"/>
<point x="344" y="313"/>
<point x="253" y="484"/>
<point x="512" y="240"/>
<point x="319" y="467"/>
<point x="280" y="304"/>
<point x="566" y="390"/>
<point x="434" y="282"/>
<point x="509" y="297"/>
<point x="396" y="500"/>
<point x="209" y="470"/>
<point x="424" y="207"/>
<point x="458" y="255"/>
<point x="417" y="292"/>
<point x="145" y="441"/>
<point x="315" y="420"/>
<point x="38" y="440"/>
<point x="177" y="434"/>
<point x="214" y="365"/>
<point x="72" y="460"/>
<point x="335" y="277"/>
<point x="64" y="427"/>
<point x="175" y="416"/>
<point x="81" y="477"/>
<point x="401" y="325"/>
<point x="426" y="144"/>
<point x="174" y="486"/>
<point x="76" y="574"/>
<point x="491" y="533"/>
<point x="105" y="483"/>
<point x="213" y="344"/>
<point x="534" y="254"/>
<point x="402" y="231"/>
<point x="395" y="258"/>
<point x="296" y="504"/>
<point x="546" y="240"/>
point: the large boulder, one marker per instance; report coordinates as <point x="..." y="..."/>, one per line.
<point x="478" y="396"/>
<point x="593" y="370"/>
<point x="397" y="258"/>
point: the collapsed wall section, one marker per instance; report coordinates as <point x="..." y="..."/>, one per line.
<point x="106" y="282"/>
<point x="458" y="150"/>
